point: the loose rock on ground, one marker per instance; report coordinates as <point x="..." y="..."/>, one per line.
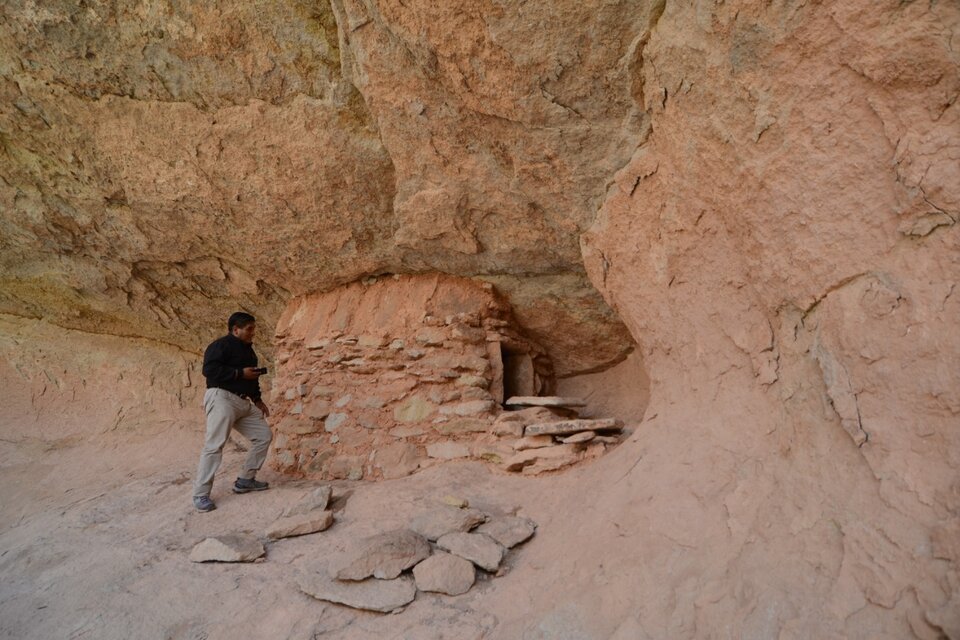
<point x="445" y="573"/>
<point x="475" y="547"/>
<point x="228" y="548"/>
<point x="385" y="555"/>
<point x="438" y="522"/>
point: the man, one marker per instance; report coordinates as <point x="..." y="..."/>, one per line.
<point x="232" y="401"/>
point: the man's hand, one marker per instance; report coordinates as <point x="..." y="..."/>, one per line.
<point x="250" y="373"/>
<point x="260" y="405"/>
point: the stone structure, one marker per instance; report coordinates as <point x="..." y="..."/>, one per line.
<point x="378" y="377"/>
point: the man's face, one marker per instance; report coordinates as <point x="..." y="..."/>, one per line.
<point x="246" y="333"/>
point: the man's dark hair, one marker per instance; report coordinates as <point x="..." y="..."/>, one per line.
<point x="239" y="319"/>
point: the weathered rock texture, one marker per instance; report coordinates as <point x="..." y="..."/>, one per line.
<point x="766" y="194"/>
<point x="164" y="165"/>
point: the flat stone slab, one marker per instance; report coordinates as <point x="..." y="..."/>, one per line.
<point x="583" y="436"/>
<point x="438" y="522"/>
<point x="371" y="595"/>
<point x="549" y="458"/>
<point x="533" y="442"/>
<point x="445" y="573"/>
<point x="545" y="401"/>
<point x="479" y="549"/>
<point x="384" y="556"/>
<point x="509" y="531"/>
<point x="300" y="524"/>
<point x="316" y="500"/>
<point x="229" y="548"/>
<point x="569" y="427"/>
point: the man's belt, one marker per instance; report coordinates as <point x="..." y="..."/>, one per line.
<point x="239" y="395"/>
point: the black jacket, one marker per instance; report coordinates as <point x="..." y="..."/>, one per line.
<point x="223" y="364"/>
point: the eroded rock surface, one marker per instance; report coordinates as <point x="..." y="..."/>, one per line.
<point x="765" y="194"/>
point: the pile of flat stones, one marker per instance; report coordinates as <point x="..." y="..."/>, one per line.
<point x="545" y="433"/>
<point x="309" y="515"/>
<point x="440" y="552"/>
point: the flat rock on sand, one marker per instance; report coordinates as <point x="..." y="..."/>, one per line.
<point x="229" y="548"/>
<point x="544" y="401"/>
<point x="384" y="556"/>
<point x="300" y="524"/>
<point x="567" y="427"/>
<point x="438" y="522"/>
<point x="445" y="573"/>
<point x="316" y="500"/>
<point x="509" y="531"/>
<point x="475" y="547"/>
<point x="372" y="595"/>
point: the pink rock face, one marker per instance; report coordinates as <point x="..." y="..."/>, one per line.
<point x="760" y="197"/>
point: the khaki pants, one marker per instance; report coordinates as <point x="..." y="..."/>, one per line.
<point x="227" y="411"/>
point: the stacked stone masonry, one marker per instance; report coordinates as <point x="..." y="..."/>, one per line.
<point x="381" y="377"/>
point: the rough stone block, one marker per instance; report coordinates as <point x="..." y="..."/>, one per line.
<point x="479" y="549"/>
<point x="300" y="524"/>
<point x="509" y="531"/>
<point x="371" y="595"/>
<point x="445" y="573"/>
<point x="384" y="556"/>
<point x="228" y="548"/>
<point x="414" y="409"/>
<point x="567" y="427"/>
<point x="441" y="521"/>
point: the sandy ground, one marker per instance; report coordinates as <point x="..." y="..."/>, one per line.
<point x="94" y="541"/>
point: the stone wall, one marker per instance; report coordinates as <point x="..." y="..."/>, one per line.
<point x="378" y="378"/>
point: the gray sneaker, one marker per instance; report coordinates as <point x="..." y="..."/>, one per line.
<point x="203" y="503"/>
<point x="242" y="485"/>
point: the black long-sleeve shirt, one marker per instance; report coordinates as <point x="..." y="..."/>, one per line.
<point x="223" y="364"/>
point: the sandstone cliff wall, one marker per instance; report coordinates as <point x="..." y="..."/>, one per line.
<point x="762" y="196"/>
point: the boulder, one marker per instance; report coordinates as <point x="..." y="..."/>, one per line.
<point x="300" y="524"/>
<point x="567" y="427"/>
<point x="438" y="522"/>
<point x="508" y="531"/>
<point x="384" y="556"/>
<point x="316" y="500"/>
<point x="479" y="549"/>
<point x="445" y="573"/>
<point x="371" y="595"/>
<point x="229" y="548"/>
